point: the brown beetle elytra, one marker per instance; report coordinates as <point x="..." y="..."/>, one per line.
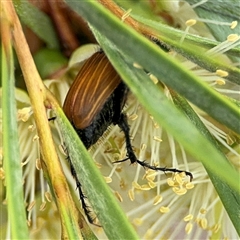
<point x="93" y="85"/>
<point x="95" y="99"/>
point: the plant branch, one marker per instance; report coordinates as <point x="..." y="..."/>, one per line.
<point x="37" y="93"/>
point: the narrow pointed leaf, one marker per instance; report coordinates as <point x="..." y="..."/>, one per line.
<point x="150" y="57"/>
<point x="103" y="202"/>
<point x="12" y="161"/>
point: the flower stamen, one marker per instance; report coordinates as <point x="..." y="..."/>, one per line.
<point x="126" y="15"/>
<point x="157" y="199"/>
<point x="119" y="197"/>
<point x="164" y="209"/>
<point x="198" y="4"/>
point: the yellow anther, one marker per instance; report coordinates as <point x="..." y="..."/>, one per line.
<point x="119" y="197"/>
<point x="136" y="185"/>
<point x="188" y="228"/>
<point x="221" y="73"/>
<point x="182" y="174"/>
<point x="157" y="199"/>
<point x="36" y="137"/>
<point x="143" y="146"/>
<point x="190" y="22"/>
<point x="122" y="184"/>
<point x="133" y="117"/>
<point x="233" y="24"/>
<point x="179" y="179"/>
<point x="179" y="191"/>
<point x="216" y="228"/>
<point x="126" y="14"/>
<point x="232" y="37"/>
<point x="150" y="176"/>
<point x="42" y="206"/>
<point x="31" y="128"/>
<point x="189" y="185"/>
<point x="131" y="194"/>
<point x="203" y="223"/>
<point x="24" y="114"/>
<point x="38" y="164"/>
<point x="220" y="81"/>
<point x="158" y="139"/>
<point x="203" y="211"/>
<point x="170" y="182"/>
<point x="136" y="65"/>
<point x="24" y="163"/>
<point x="145" y="187"/>
<point x="164" y="209"/>
<point x="48" y="196"/>
<point x="152" y="184"/>
<point x="153" y="78"/>
<point x="31" y="205"/>
<point x="108" y="179"/>
<point x="150" y="172"/>
<point x="188" y="218"/>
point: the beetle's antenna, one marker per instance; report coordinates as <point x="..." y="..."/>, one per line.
<point x="123" y="124"/>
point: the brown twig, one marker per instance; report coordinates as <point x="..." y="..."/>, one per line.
<point x="57" y="10"/>
<point x="119" y="12"/>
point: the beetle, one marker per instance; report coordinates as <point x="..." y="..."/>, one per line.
<point x="94" y="101"/>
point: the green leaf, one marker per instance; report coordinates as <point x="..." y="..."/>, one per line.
<point x="167" y="33"/>
<point x="12" y="161"/>
<point x="103" y="202"/>
<point x="221" y="12"/>
<point x="195" y="49"/>
<point x="38" y="22"/>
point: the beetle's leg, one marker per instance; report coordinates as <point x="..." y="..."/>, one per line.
<point x="123" y="124"/>
<point x="164" y="169"/>
<point x="85" y="207"/>
<point x="52" y="119"/>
